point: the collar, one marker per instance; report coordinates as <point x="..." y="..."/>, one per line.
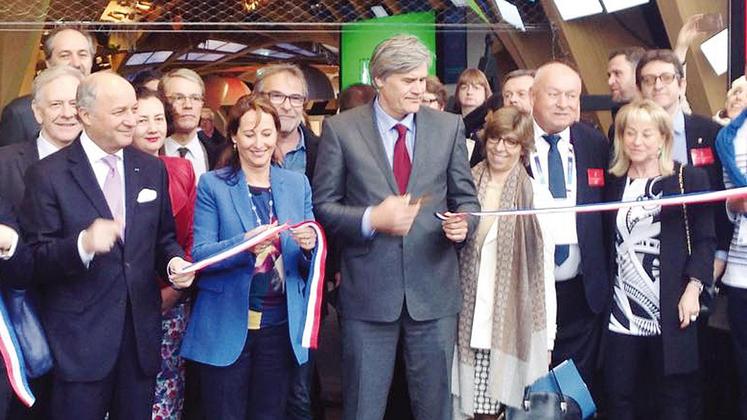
<point x="301" y="145"/>
<point x="678" y="122"/>
<point x="387" y="121"/>
<point x="44" y="146"/>
<point x="565" y="134"/>
<point x="93" y="151"/>
<point x="193" y="144"/>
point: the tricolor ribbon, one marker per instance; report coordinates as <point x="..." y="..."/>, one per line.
<point x="674" y="200"/>
<point x="15" y="366"/>
<point x="314" y="282"/>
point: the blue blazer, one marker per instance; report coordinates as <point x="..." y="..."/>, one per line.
<point x="217" y="329"/>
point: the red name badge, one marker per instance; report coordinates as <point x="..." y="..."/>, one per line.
<point x="702" y="156"/>
<point x="596" y="177"/>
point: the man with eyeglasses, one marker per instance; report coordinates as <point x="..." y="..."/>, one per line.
<point x="570" y="159"/>
<point x="285" y="86"/>
<point x="185" y="92"/>
<point x="660" y="77"/>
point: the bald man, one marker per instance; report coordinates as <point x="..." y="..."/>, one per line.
<point x="571" y="160"/>
<point x="99" y="220"/>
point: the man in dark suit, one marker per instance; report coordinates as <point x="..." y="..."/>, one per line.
<point x="63" y="46"/>
<point x="53" y="93"/>
<point x="98" y="217"/>
<point x="571" y="160"/>
<point x="285" y="86"/>
<point x="399" y="263"/>
<point x="184" y="91"/>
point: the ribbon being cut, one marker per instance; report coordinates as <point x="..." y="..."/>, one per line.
<point x="673" y="200"/>
<point x="314" y="283"/>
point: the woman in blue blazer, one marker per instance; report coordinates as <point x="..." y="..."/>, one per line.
<point x="247" y="322"/>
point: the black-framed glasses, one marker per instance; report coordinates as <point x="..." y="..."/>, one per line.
<point x="508" y="142"/>
<point x="182" y="99"/>
<point x="278" y="98"/>
<point x="650" y="79"/>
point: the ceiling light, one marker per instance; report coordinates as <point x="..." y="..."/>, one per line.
<point x="574" y="9"/>
<point x="379" y="11"/>
<point x="510" y="14"/>
<point x="615" y="5"/>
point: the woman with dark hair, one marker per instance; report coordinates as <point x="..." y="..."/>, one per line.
<point x="246" y="326"/>
<point x="661" y="257"/>
<point x="149" y="136"/>
<point x="507" y="323"/>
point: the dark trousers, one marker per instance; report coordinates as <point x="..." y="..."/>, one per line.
<point x="633" y="366"/>
<point x="256" y="385"/>
<point x="737" y="309"/>
<point x="579" y="330"/>
<point x="126" y="393"/>
<point x="368" y="354"/>
<point x="298" y="406"/>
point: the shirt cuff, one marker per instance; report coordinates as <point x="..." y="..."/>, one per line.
<point x="722" y="255"/>
<point x="85" y="257"/>
<point x="366" y="229"/>
<point x="6" y="255"/>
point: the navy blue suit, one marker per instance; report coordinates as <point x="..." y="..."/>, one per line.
<point x="103" y="322"/>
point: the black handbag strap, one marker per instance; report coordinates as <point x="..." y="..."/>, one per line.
<point x="563" y="402"/>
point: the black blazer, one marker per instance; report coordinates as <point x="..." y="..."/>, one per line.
<point x="591" y="151"/>
<point x="83" y="309"/>
<point x="14" y="161"/>
<point x="17" y="123"/>
<point x="311" y="141"/>
<point x="16" y="270"/>
<point x="676" y="266"/>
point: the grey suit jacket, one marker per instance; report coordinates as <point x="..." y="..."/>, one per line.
<point x="381" y="273"/>
<point x="14" y="161"/>
<point x="17" y="123"/>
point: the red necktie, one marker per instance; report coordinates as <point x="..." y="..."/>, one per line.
<point x="401" y="162"/>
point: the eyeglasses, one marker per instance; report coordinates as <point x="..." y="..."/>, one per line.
<point x="182" y="99"/>
<point x="650" y="79"/>
<point x="508" y="142"/>
<point x="277" y="98"/>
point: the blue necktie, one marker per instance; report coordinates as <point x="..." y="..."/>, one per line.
<point x="556" y="182"/>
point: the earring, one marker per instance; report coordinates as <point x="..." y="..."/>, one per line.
<point x="661" y="150"/>
<point x="234" y="146"/>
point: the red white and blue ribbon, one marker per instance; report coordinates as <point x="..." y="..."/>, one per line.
<point x="314" y="283"/>
<point x="15" y="366"/>
<point x="674" y="200"/>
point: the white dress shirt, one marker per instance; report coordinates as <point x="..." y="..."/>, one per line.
<point x="96" y="157"/>
<point x="565" y="230"/>
<point x="45" y="147"/>
<point x="196" y="154"/>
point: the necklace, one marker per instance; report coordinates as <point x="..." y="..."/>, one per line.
<point x="254" y="206"/>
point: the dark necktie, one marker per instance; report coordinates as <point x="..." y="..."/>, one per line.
<point x="182" y="152"/>
<point x="401" y="162"/>
<point x="556" y="182"/>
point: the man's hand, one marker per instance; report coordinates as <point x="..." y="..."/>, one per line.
<point x="100" y="236"/>
<point x="455" y="226"/>
<point x="395" y="215"/>
<point x="179" y="280"/>
<point x="7" y="237"/>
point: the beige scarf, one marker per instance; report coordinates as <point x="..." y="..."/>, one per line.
<point x="518" y="354"/>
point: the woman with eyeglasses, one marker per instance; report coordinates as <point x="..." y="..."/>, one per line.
<point x="661" y="257"/>
<point x="507" y="323"/>
<point x="246" y="325"/>
<point x="148" y="137"/>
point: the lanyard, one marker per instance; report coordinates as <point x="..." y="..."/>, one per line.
<point x="570" y="172"/>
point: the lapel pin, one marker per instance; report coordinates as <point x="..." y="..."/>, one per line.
<point x="700" y="140"/>
<point x="137" y="169"/>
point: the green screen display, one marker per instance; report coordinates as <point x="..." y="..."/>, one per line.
<point x="359" y="39"/>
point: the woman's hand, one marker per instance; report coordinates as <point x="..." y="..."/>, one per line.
<point x="260" y="247"/>
<point x="689" y="306"/>
<point x="305" y="237"/>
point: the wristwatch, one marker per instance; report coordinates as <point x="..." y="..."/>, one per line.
<point x="697" y="283"/>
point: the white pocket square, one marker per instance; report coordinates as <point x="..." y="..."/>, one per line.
<point x="146" y="195"/>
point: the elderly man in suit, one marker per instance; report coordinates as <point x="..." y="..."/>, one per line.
<point x="571" y="161"/>
<point x="387" y="168"/>
<point x="63" y="46"/>
<point x="98" y="218"/>
<point x="53" y="93"/>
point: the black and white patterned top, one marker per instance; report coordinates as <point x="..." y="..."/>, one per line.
<point x="635" y="310"/>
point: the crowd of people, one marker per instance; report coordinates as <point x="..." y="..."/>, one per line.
<point x="109" y="188"/>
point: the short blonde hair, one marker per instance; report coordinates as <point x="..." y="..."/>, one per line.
<point x="184" y="73"/>
<point x="644" y="110"/>
<point x="473" y="77"/>
<point x="510" y="120"/>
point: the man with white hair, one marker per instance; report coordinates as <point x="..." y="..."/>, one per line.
<point x="98" y="217"/>
<point x="387" y="168"/>
<point x="64" y="45"/>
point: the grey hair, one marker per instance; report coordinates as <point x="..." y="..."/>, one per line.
<point x="273" y="69"/>
<point x="184" y="73"/>
<point x="49" y="42"/>
<point x="398" y="54"/>
<point x="49" y="75"/>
